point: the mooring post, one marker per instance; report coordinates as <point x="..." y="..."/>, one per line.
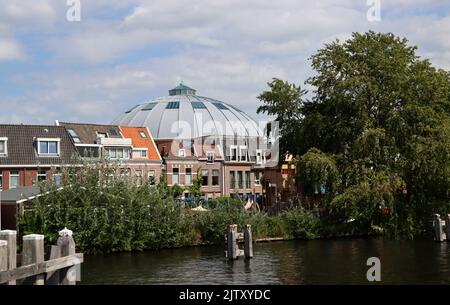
<point x="438" y="228"/>
<point x="33" y="252"/>
<point x="248" y="242"/>
<point x="53" y="277"/>
<point x="10" y="236"/>
<point x="68" y="276"/>
<point x="232" y="242"/>
<point x="447" y="227"/>
<point x="3" y="255"/>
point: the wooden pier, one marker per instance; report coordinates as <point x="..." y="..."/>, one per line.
<point x="60" y="269"/>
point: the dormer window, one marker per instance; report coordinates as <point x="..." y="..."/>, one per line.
<point x="48" y="147"/>
<point x="143" y="134"/>
<point x="260" y="158"/>
<point x="181" y="153"/>
<point x="3" y="147"/>
<point x="102" y="135"/>
<point x="233" y="153"/>
<point x="243" y="154"/>
<point x="210" y="156"/>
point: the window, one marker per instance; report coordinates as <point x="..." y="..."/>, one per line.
<point x="232" y="180"/>
<point x="74" y="135"/>
<point x="1" y="180"/>
<point x="188" y="176"/>
<point x="118" y="153"/>
<point x="259" y="156"/>
<point x="257" y="178"/>
<point x="181" y="153"/>
<point x="210" y="156"/>
<point x="149" y="106"/>
<point x="41" y="176"/>
<point x="3" y="146"/>
<point x="102" y="135"/>
<point x="13" y="179"/>
<point x="198" y="105"/>
<point x="243" y="153"/>
<point x="247" y="180"/>
<point x="240" y="180"/>
<point x="175" y="176"/>
<point x="139" y="153"/>
<point x="132" y="109"/>
<point x="221" y="106"/>
<point x="138" y="174"/>
<point x="151" y="177"/>
<point x="48" y="147"/>
<point x="215" y="177"/>
<point x="173" y="105"/>
<point x="233" y="153"/>
<point x="204" y="177"/>
<point x="57" y="180"/>
<point x="125" y="172"/>
<point x="143" y="134"/>
<point x="88" y="151"/>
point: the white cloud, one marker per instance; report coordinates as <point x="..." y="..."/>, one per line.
<point x="10" y="50"/>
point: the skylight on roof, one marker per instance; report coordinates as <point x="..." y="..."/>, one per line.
<point x="74" y="135"/>
<point x="149" y="106"/>
<point x="221" y="106"/>
<point x="132" y="109"/>
<point x="173" y="105"/>
<point x="198" y="105"/>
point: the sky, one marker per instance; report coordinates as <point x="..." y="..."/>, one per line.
<point x="122" y="53"/>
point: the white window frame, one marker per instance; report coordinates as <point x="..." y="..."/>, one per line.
<point x="188" y="183"/>
<point x="152" y="174"/>
<point x="209" y="154"/>
<point x="58" y="147"/>
<point x="257" y="180"/>
<point x="139" y="151"/>
<point x="241" y="148"/>
<point x="5" y="153"/>
<point x="182" y="153"/>
<point x="143" y="134"/>
<point x="232" y="147"/>
<point x="260" y="157"/>
<point x="116" y="149"/>
<point x="10" y="179"/>
<point x="1" y="180"/>
<point x="39" y="174"/>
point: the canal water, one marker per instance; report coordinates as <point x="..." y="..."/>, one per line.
<point x="339" y="261"/>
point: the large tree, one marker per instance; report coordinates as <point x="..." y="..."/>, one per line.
<point x="379" y="110"/>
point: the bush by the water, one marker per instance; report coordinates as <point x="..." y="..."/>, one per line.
<point x="114" y="214"/>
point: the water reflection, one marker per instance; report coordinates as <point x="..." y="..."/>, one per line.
<point x="298" y="262"/>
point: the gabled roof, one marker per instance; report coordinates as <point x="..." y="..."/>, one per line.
<point x="138" y="141"/>
<point x="22" y="145"/>
<point x="88" y="133"/>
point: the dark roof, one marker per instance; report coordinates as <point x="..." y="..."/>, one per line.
<point x="20" y="193"/>
<point x="88" y="132"/>
<point x="22" y="146"/>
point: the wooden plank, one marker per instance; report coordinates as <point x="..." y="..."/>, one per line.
<point x="40" y="268"/>
<point x="3" y="255"/>
<point x="53" y="276"/>
<point x="10" y="236"/>
<point x="33" y="253"/>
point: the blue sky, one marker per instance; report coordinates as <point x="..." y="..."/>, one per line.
<point x="123" y="53"/>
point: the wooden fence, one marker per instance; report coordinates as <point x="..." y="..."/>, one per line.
<point x="60" y="269"/>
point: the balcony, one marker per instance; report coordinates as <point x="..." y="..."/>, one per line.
<point x="114" y="142"/>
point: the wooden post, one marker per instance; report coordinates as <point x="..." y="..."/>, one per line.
<point x="447" y="227"/>
<point x="53" y="277"/>
<point x="438" y="228"/>
<point x="232" y="242"/>
<point x="67" y="276"/>
<point x="11" y="237"/>
<point x="33" y="252"/>
<point x="3" y="255"/>
<point x="248" y="242"/>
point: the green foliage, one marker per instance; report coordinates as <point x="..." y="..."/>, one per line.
<point x="381" y="115"/>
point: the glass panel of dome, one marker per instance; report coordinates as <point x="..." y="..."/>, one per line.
<point x="149" y="106"/>
<point x="173" y="105"/>
<point x="132" y="109"/>
<point x="198" y="105"/>
<point x="221" y="106"/>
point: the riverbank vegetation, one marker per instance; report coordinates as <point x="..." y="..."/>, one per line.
<point x="112" y="214"/>
<point x="372" y="138"/>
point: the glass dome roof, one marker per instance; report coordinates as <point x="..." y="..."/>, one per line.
<point x="183" y="114"/>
